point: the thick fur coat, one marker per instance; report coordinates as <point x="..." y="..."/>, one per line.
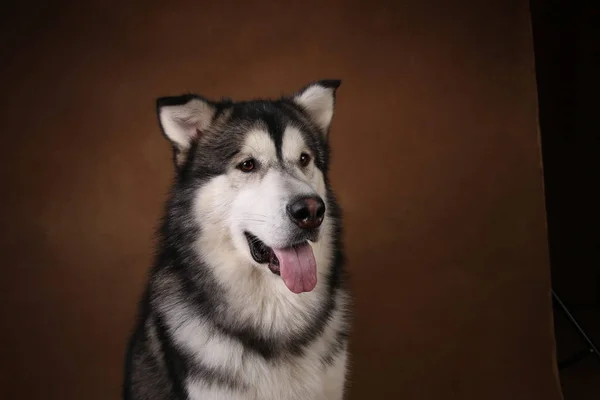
<point x="227" y="314"/>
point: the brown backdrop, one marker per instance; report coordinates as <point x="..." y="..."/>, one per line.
<point x="436" y="164"/>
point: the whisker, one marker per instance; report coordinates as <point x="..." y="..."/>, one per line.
<point x="256" y="215"/>
<point x="250" y="220"/>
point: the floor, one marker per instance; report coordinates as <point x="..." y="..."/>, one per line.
<point x="580" y="381"/>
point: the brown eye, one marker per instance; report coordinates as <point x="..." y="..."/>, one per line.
<point x="247" y="166"/>
<point x="304" y="159"/>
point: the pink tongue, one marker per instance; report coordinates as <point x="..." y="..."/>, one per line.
<point x="298" y="267"/>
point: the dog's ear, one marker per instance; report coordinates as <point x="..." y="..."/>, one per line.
<point x="318" y="99"/>
<point x="182" y="119"/>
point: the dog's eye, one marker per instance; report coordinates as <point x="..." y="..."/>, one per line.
<point x="247" y="166"/>
<point x="304" y="159"/>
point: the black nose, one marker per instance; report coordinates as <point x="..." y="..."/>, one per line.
<point x="307" y="212"/>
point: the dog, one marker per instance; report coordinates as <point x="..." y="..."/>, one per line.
<point x="248" y="297"/>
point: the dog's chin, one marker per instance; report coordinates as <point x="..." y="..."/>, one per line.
<point x="264" y="255"/>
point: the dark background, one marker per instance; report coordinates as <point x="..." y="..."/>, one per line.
<point x="567" y="49"/>
<point x="437" y="165"/>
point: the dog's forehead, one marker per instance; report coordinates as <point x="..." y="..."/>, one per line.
<point x="270" y="129"/>
<point x="261" y="143"/>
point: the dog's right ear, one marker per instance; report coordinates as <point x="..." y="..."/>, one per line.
<point x="183" y="119"/>
<point x="318" y="99"/>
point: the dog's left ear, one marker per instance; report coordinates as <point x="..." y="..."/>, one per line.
<point x="318" y="99"/>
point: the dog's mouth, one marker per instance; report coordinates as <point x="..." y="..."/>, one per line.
<point x="262" y="253"/>
<point x="295" y="264"/>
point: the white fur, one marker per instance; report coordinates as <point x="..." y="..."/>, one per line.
<point x="318" y="102"/>
<point x="334" y="378"/>
<point x="196" y="390"/>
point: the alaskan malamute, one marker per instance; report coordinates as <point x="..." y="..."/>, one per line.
<point x="247" y="298"/>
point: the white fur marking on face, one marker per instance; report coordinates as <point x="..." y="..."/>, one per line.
<point x="293" y="144"/>
<point x="292" y="147"/>
<point x="318" y="102"/>
<point x="259" y="145"/>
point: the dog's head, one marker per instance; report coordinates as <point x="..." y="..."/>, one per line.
<point x="257" y="171"/>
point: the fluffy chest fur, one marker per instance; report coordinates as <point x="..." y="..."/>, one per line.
<point x="315" y="371"/>
<point x="282" y="346"/>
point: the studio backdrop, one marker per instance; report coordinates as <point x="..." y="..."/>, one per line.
<point x="436" y="163"/>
